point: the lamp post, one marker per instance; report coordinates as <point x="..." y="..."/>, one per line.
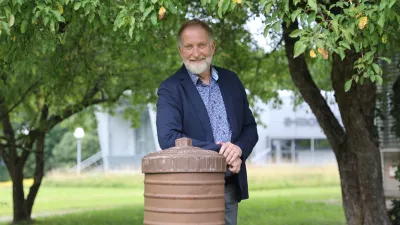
<point x="78" y="134"/>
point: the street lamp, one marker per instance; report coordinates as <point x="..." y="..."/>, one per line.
<point x="78" y="134"/>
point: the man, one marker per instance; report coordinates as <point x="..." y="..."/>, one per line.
<point x="209" y="105"/>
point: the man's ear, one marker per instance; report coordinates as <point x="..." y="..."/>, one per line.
<point x="213" y="44"/>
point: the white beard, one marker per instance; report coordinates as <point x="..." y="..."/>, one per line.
<point x="199" y="67"/>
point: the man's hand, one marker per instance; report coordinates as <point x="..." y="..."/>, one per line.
<point x="230" y="151"/>
<point x="234" y="167"/>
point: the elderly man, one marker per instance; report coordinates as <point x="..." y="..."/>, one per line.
<point x="208" y="104"/>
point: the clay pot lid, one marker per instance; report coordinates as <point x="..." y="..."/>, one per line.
<point x="183" y="158"/>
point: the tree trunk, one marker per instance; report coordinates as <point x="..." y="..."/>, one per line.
<point x="39" y="172"/>
<point x="355" y="146"/>
<point x="19" y="203"/>
<point x="363" y="198"/>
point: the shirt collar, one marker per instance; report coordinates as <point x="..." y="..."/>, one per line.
<point x="195" y="79"/>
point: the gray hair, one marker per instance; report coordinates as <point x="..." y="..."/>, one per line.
<point x="195" y="23"/>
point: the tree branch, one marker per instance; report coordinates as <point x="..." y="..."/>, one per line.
<point x="23" y="96"/>
<point x="53" y="120"/>
<point x="17" y="147"/>
<point x="310" y="92"/>
<point x="7" y="129"/>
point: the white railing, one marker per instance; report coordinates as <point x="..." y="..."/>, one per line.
<point x="261" y="156"/>
<point x="89" y="161"/>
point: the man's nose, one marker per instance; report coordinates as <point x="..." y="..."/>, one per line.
<point x="196" y="52"/>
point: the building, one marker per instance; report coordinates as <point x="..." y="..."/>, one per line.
<point x="122" y="147"/>
<point x="290" y="131"/>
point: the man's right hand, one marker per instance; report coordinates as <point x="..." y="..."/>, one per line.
<point x="235" y="166"/>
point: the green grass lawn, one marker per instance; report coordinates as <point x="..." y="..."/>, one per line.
<point x="284" y="197"/>
<point x="54" y="199"/>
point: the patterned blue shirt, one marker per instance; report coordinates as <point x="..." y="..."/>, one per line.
<point x="212" y="98"/>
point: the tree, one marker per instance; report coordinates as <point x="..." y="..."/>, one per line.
<point x="58" y="58"/>
<point x="55" y="63"/>
<point x="352" y="35"/>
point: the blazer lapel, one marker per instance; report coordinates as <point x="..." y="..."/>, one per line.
<point x="198" y="103"/>
<point x="226" y="87"/>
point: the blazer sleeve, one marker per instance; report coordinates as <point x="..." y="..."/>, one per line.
<point x="169" y="121"/>
<point x="248" y="137"/>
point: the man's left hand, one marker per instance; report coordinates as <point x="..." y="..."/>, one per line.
<point x="230" y="151"/>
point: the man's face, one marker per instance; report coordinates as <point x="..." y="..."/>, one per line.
<point x="196" y="49"/>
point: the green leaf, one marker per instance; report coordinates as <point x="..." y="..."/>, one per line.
<point x="263" y="2"/>
<point x="345" y="44"/>
<point x="311" y="18"/>
<point x="46" y="20"/>
<point x="299" y="48"/>
<point x="130" y="31"/>
<point x="379" y="79"/>
<point x="266" y="29"/>
<point x="88" y="7"/>
<point x="372" y="78"/>
<point x="147" y="11"/>
<point x="382" y="5"/>
<point x="141" y="6"/>
<point x="277" y="26"/>
<point x="268" y="8"/>
<point x="368" y="56"/>
<point x="347" y="85"/>
<point x="312" y="4"/>
<point x="214" y="4"/>
<point x="24" y="24"/>
<point x="371" y="28"/>
<point x="296" y="33"/>
<point x="203" y="2"/>
<point x="335" y="26"/>
<point x="118" y="23"/>
<point x="91" y="17"/>
<point x="381" y="21"/>
<point x="220" y="3"/>
<point x="295" y="14"/>
<point x="392" y="3"/>
<point x="171" y="7"/>
<point x="341" y="53"/>
<point x="248" y="3"/>
<point x="356" y="78"/>
<point x="361" y="80"/>
<point x="12" y="20"/>
<point x="154" y="1"/>
<point x="347" y="35"/>
<point x="154" y="18"/>
<point x="225" y="6"/>
<point x="132" y="21"/>
<point x="5" y="26"/>
<point x="386" y="59"/>
<point x="376" y="68"/>
<point x="356" y="47"/>
<point x="52" y="26"/>
<point x="77" y="5"/>
<point x="58" y="16"/>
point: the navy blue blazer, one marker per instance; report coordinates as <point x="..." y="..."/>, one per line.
<point x="182" y="113"/>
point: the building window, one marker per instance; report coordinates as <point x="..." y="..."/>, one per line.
<point x="322" y="144"/>
<point x="285" y="146"/>
<point x="302" y="144"/>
